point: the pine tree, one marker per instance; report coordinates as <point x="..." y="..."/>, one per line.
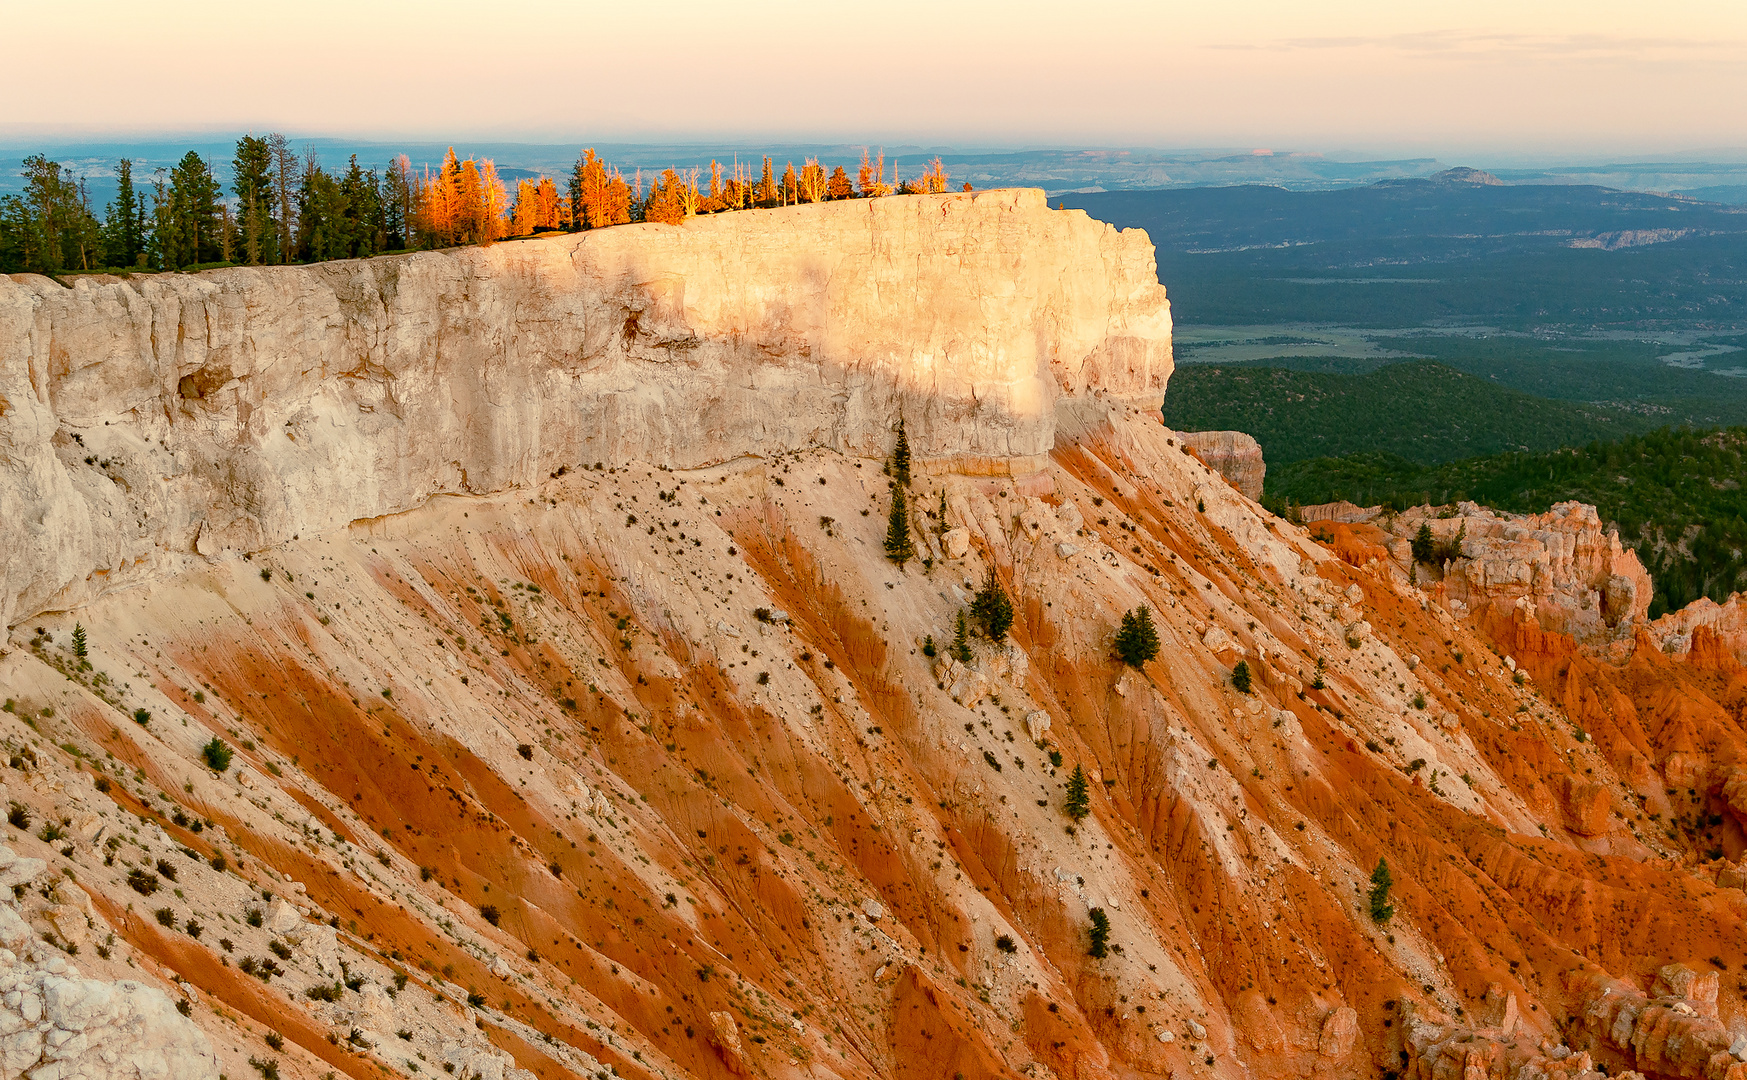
<point x="943" y="525"/>
<point x="124" y="224"/>
<point x="252" y="183"/>
<point x="1100" y="934"/>
<point x="961" y="640"/>
<point x="1381" y="909"/>
<point x="1137" y="641"/>
<point x="992" y="608"/>
<point x="1079" y="800"/>
<point x="839" y="187"/>
<point x="1240" y="677"/>
<point x="899" y="549"/>
<point x="79" y="644"/>
<point x="1423" y="544"/>
<point x="901" y="457"/>
<point x="667" y="200"/>
<point x="194" y="216"/>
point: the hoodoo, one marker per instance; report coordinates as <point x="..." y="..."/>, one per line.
<point x="489" y="662"/>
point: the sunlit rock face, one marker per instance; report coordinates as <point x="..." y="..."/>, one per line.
<point x="146" y="420"/>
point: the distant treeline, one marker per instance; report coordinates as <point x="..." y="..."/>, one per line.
<point x="283" y="207"/>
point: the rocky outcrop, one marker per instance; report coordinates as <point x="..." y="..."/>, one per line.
<point x="56" y="1025"/>
<point x="1727" y="621"/>
<point x="1233" y="455"/>
<point x="147" y="420"/>
<point x="1580" y="580"/>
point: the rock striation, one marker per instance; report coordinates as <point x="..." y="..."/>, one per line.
<point x="148" y="419"/>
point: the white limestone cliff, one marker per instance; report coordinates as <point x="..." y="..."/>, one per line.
<point x="147" y="422"/>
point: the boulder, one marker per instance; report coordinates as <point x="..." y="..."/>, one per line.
<point x="1037" y="725"/>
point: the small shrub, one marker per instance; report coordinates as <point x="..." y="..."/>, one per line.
<point x="192" y="929"/>
<point x="165" y="916"/>
<point x="253" y="917"/>
<point x="268" y="1068"/>
<point x="526" y="751"/>
<point x="476" y="999"/>
<point x="1006" y="944"/>
<point x="50" y="833"/>
<point x="325" y="992"/>
<point x="142" y="882"/>
<point x="928" y="648"/>
<point x="275" y="1040"/>
<point x="1240" y="677"/>
<point x="279" y="948"/>
<point x="1055" y="758"/>
<point x="217" y="755"/>
<point x="490" y="913"/>
<point x="1419" y="701"/>
<point x="167" y="869"/>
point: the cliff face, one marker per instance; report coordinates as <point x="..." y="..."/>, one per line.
<point x="1233" y="455"/>
<point x="145" y="420"/>
<point x="644" y="769"/>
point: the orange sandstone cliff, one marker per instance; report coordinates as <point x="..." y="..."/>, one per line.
<point x="571" y="740"/>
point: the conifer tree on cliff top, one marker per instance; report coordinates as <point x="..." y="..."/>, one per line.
<point x="899" y="549"/>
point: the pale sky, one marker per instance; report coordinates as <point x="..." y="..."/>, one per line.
<point x="1530" y="75"/>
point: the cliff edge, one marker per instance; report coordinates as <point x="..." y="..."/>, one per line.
<point x="143" y="421"/>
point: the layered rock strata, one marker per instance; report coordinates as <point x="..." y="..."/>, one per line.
<point x="145" y="420"/>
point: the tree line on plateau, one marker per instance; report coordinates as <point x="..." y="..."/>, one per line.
<point x="284" y="207"/>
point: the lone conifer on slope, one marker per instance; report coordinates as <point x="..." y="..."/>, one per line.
<point x="901" y="457"/>
<point x="899" y="549"/>
<point x="1381" y="909"/>
<point x="1138" y="640"/>
<point x="992" y="607"/>
<point x="1079" y="801"/>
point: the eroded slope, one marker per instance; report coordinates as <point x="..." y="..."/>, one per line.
<point x="718" y="844"/>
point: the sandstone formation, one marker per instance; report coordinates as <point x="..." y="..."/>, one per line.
<point x="1578" y="577"/>
<point x="644" y="769"/>
<point x="1233" y="455"/>
<point x="150" y="419"/>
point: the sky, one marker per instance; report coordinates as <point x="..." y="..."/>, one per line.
<point x="1535" y="77"/>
